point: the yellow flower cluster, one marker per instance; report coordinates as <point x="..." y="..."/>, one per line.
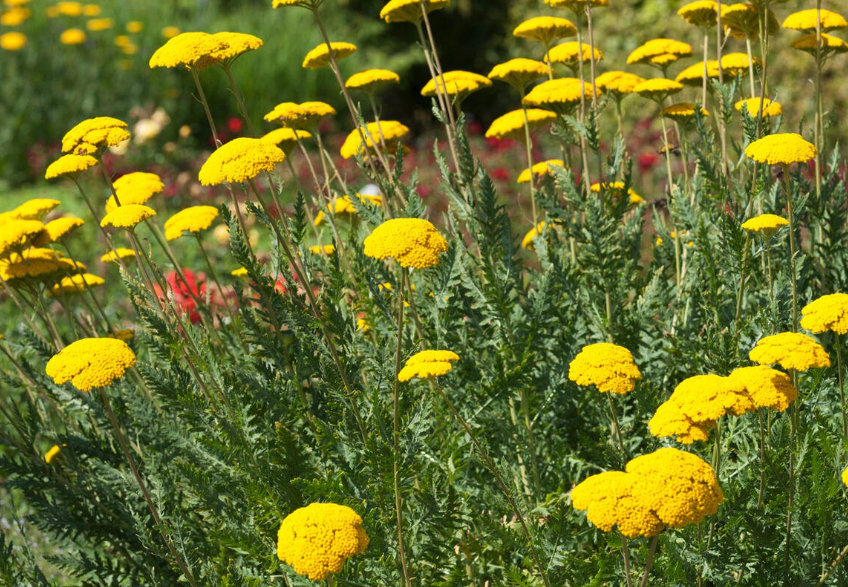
<point x="542" y="168"/>
<point x="743" y="21"/>
<point x="192" y="220"/>
<point x="511" y="124"/>
<point x="322" y="249"/>
<point x="694" y="74"/>
<point x="829" y="44"/>
<point x="807" y="21"/>
<point x="69" y="165"/>
<point x="344" y="206"/>
<point x="196" y="50"/>
<point x="320" y="55"/>
<point x="390" y="131"/>
<point x="767" y="387"/>
<point x="317" y="540"/>
<point x="531" y="235"/>
<point x="90" y="135"/>
<point x="134" y="188"/>
<point x="76" y="284"/>
<point x="127" y="216"/>
<point x="13" y="41"/>
<point x="790" y="350"/>
<point x="829" y="313"/>
<point x="753" y="105"/>
<point x="666" y="50"/>
<point x="518" y="72"/>
<point x="427" y="364"/>
<point x="412" y="242"/>
<point x="34" y="209"/>
<point x="16" y="235"/>
<point x="668" y="488"/>
<point x="60" y="228"/>
<point x="285" y="138"/>
<point x="781" y="149"/>
<point x="300" y="116"/>
<point x="658" y="88"/>
<point x="545" y="29"/>
<point x="701" y="13"/>
<point x="765" y="223"/>
<point x="456" y="83"/>
<point x="571" y="53"/>
<point x="561" y="94"/>
<point x="609" y="367"/>
<point x="682" y="112"/>
<point x="72" y="37"/>
<point x="239" y="160"/>
<point x="618" y="83"/>
<point x="35" y="264"/>
<point x="409" y="10"/>
<point x="51" y="454"/>
<point x="372" y="80"/>
<point x="616" y="189"/>
<point x="118" y="253"/>
<point x="91" y="362"/>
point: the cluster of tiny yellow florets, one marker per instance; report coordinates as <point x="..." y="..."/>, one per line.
<point x="409" y="10"/>
<point x="427" y="364"/>
<point x="371" y="80"/>
<point x="790" y="350"/>
<point x="34" y="209"/>
<point x="196" y="50"/>
<point x="69" y="165"/>
<point x="781" y="149"/>
<point x="15" y="235"/>
<point x="456" y="83"/>
<point x="35" y="264"/>
<point x="829" y="313"/>
<point x="607" y="366"/>
<point x="317" y="540"/>
<point x="385" y="131"/>
<point x="618" y="83"/>
<point x="127" y="216"/>
<point x="560" y="94"/>
<point x="753" y="105"/>
<point x="239" y="160"/>
<point x="766" y="387"/>
<point x="60" y="228"/>
<point x="192" y="219"/>
<point x="75" y="284"/>
<point x="91" y="362"/>
<point x="765" y="223"/>
<point x="412" y="242"/>
<point x="299" y="116"/>
<point x="134" y="188"/>
<point x="668" y="488"/>
<point x="320" y="55"/>
<point x="92" y="134"/>
<point x="511" y="124"/>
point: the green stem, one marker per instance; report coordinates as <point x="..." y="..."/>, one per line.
<point x="840" y="376"/>
<point x="792" y="247"/>
<point x="651" y="553"/>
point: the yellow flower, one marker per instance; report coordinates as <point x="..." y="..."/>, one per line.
<point x="609" y="367"/>
<point x="561" y="94"/>
<point x="682" y="112"/>
<point x="34" y="209"/>
<point x="735" y="64"/>
<point x="300" y="116"/>
<point x="169" y="32"/>
<point x="72" y="37"/>
<point x="656" y="48"/>
<point x="71" y="165"/>
<point x="616" y="189"/>
<point x="511" y="124"/>
<point x="36" y="264"/>
<point x="135" y="26"/>
<point x="344" y="206"/>
<point x="409" y="10"/>
<point x="285" y="138"/>
<point x="91" y="134"/>
<point x="50" y="454"/>
<point x="427" y="364"/>
<point x="618" y="83"/>
<point x="13" y="41"/>
<point x="240" y="160"/>
<point x="91" y="362"/>
<point x="531" y="235"/>
<point x="134" y="188"/>
<point x="571" y="53"/>
<point x="122" y="41"/>
<point x="91" y="10"/>
<point x="192" y="220"/>
<point x="577" y="6"/>
<point x="322" y="249"/>
<point x="316" y="540"/>
<point x="15" y="16"/>
<point x="767" y="387"/>
<point x="320" y="56"/>
<point x="658" y="88"/>
<point x="118" y="253"/>
<point x="753" y="106"/>
<point x="765" y="223"/>
<point x="457" y="83"/>
<point x="240" y="272"/>
<point x="17" y="234"/>
<point x="412" y="242"/>
<point x="701" y="13"/>
<point x="830" y="45"/>
<point x="781" y="149"/>
<point x="362" y="325"/>
<point x="845" y="477"/>
<point x="75" y="284"/>
<point x="829" y="313"/>
<point x="234" y="45"/>
<point x="542" y="168"/>
<point x="192" y="50"/>
<point x="59" y="228"/>
<point x="518" y="72"/>
<point x="790" y="350"/>
<point x="390" y="131"/>
<point x="124" y="334"/>
<point x="545" y="29"/>
<point x="70" y="8"/>
<point x="743" y="21"/>
<point x="372" y="80"/>
<point x="807" y="22"/>
<point x="694" y="74"/>
<point x="99" y="24"/>
<point x="127" y="216"/>
<point x="666" y="488"/>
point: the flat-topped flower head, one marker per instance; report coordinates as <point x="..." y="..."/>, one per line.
<point x="734" y="64"/>
<point x="302" y="3"/>
<point x="658" y="88"/>
<point x="345" y="207"/>
<point x="317" y="540"/>
<point x="69" y="165"/>
<point x="781" y="149"/>
<point x="609" y="367"/>
<point x="134" y="188"/>
<point x="694" y="74"/>
<point x="543" y="168"/>
<point x="807" y="21"/>
<point x="577" y="6"/>
<point x="13" y="41"/>
<point x="390" y="131"/>
<point x="561" y="95"/>
<point x="618" y="83"/>
<point x="682" y="112"/>
<point x="701" y="13"/>
<point x="291" y="115"/>
<point x="192" y="220"/>
<point x="34" y="209"/>
<point x="285" y="138"/>
<point x="511" y="124"/>
<point x="830" y="45"/>
<point x="372" y="80"/>
<point x="545" y="29"/>
<point x="743" y="21"/>
<point x="93" y="134"/>
<point x="829" y="313"/>
<point x="91" y="363"/>
<point x="457" y="84"/>
<point x="767" y="387"/>
<point x="127" y="216"/>
<point x="118" y="253"/>
<point x="59" y="229"/>
<point x="412" y="242"/>
<point x="518" y="72"/>
<point x="73" y="36"/>
<point x="233" y="45"/>
<point x="657" y="48"/>
<point x="16" y="235"/>
<point x="668" y="488"/>
<point x="325" y="250"/>
<point x="790" y="350"/>
<point x="753" y="105"/>
<point x="527" y="241"/>
<point x="192" y="50"/>
<point x="572" y="53"/>
<point x="240" y="160"/>
<point x="765" y="224"/>
<point x="320" y="56"/>
<point x="410" y="10"/>
<point x="76" y="283"/>
<point x="427" y="364"/>
<point x="616" y="190"/>
<point x="36" y="265"/>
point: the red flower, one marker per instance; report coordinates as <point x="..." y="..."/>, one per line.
<point x="501" y="173"/>
<point x="235" y="124"/>
<point x="180" y="292"/>
<point x="647" y="161"/>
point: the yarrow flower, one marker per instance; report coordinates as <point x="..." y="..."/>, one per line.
<point x="239" y="160"/>
<point x="320" y="55"/>
<point x="427" y="364"/>
<point x="694" y="74"/>
<point x="682" y="112"/>
<point x="790" y="350"/>
<point x="616" y="190"/>
<point x="317" y="540"/>
<point x="94" y="133"/>
<point x="299" y="116"/>
<point x="76" y="284"/>
<point x="118" y="253"/>
<point x="71" y="165"/>
<point x="285" y="138"/>
<point x="767" y="224"/>
<point x="767" y="387"/>
<point x="609" y="367"/>
<point x="13" y="41"/>
<point x="59" y="228"/>
<point x="72" y="37"/>
<point x="372" y="80"/>
<point x="701" y="13"/>
<point x="191" y="220"/>
<point x="829" y="313"/>
<point x="753" y="105"/>
<point x="16" y="235"/>
<point x="618" y="83"/>
<point x="134" y="188"/>
<point x="511" y="124"/>
<point x="345" y="206"/>
<point x="560" y="95"/>
<point x="34" y="209"/>
<point x="781" y="149"/>
<point x="412" y="242"/>
<point x="409" y="10"/>
<point x="127" y="216"/>
<point x="518" y="72"/>
<point x="91" y="363"/>
<point x="322" y="249"/>
<point x="659" y="47"/>
<point x="531" y="235"/>
<point x="36" y="264"/>
<point x="571" y="53"/>
<point x="668" y="488"/>
<point x="545" y="29"/>
<point x="658" y="88"/>
<point x="458" y="84"/>
<point x="198" y="50"/>
<point x="830" y="45"/>
<point x="807" y="21"/>
<point x="390" y="131"/>
<point x="543" y="168"/>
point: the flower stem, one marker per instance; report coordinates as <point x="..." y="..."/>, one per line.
<point x="741" y="294"/>
<point x="529" y="148"/>
<point x="651" y="553"/>
<point x="792" y="247"/>
<point x="840" y="377"/>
